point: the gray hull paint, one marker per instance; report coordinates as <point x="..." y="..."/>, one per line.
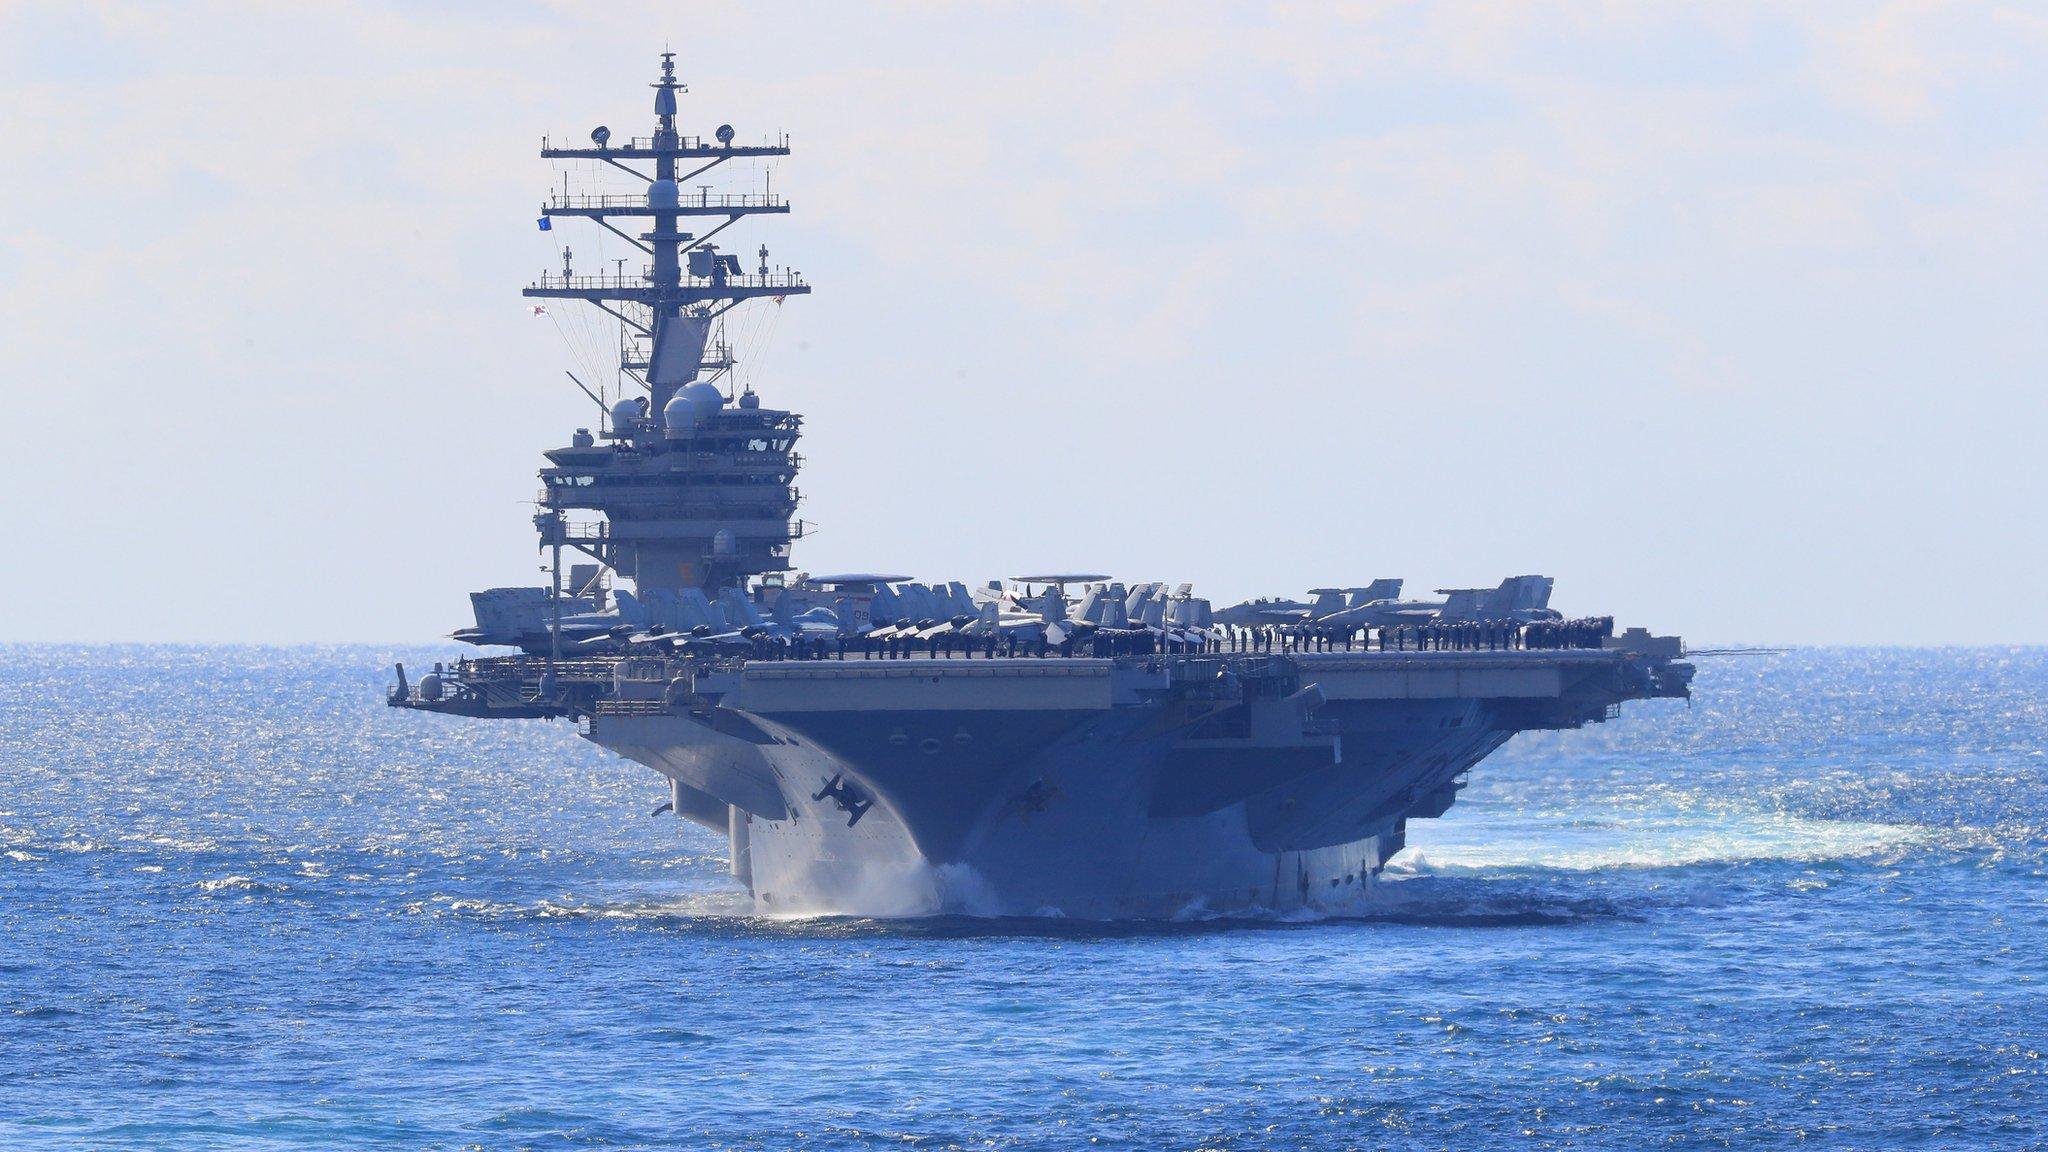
<point x="1156" y="786"/>
<point x="1083" y="813"/>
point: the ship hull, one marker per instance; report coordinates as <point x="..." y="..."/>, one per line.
<point x="1071" y="831"/>
<point x="1158" y="786"/>
<point x="1099" y="814"/>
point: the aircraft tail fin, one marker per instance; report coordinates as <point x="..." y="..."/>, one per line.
<point x="665" y="608"/>
<point x="699" y="606"/>
<point x="1051" y="606"/>
<point x="1115" y="614"/>
<point x="1328" y="600"/>
<point x="1381" y="589"/>
<point x="919" y="603"/>
<point x="959" y="602"/>
<point x="885" y="605"/>
<point x="502" y="614"/>
<point x="1531" y="591"/>
<point x="1154" y="613"/>
<point x="1461" y="603"/>
<point x="630" y="609"/>
<point x="1137" y="598"/>
<point x="1090" y="607"/>
<point x="739" y="611"/>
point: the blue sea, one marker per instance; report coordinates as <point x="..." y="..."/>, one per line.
<point x="244" y="905"/>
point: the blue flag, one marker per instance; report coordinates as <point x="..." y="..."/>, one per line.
<point x="546" y="225"/>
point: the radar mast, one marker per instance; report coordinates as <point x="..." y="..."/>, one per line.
<point x="686" y="283"/>
<point x="692" y="491"/>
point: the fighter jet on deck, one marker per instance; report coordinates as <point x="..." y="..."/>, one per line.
<point x="1524" y="599"/>
<point x="1328" y="602"/>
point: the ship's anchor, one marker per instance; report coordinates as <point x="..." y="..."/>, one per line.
<point x="847" y="797"/>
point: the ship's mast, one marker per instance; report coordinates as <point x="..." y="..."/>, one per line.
<point x="696" y="490"/>
<point x="686" y="283"/>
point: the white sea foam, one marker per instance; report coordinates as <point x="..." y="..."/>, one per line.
<point x="1645" y="840"/>
<point x="901" y="889"/>
<point x="173" y="843"/>
<point x="665" y="906"/>
<point x="681" y="906"/>
<point x="228" y="884"/>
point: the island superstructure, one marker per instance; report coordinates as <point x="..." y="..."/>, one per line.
<point x="1057" y="743"/>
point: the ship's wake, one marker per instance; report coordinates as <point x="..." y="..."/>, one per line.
<point x="1632" y="841"/>
<point x="1516" y="871"/>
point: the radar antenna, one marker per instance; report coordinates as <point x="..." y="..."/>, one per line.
<point x="686" y="284"/>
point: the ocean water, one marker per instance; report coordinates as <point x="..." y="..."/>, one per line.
<point x="243" y="905"/>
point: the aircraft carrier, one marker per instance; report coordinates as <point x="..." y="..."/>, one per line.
<point x="1051" y="744"/>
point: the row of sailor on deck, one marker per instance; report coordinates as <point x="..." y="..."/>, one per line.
<point x="1451" y="636"/>
<point x="1458" y="636"/>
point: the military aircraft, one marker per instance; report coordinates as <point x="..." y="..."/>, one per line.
<point x="816" y="622"/>
<point x="1328" y="602"/>
<point x="1524" y="599"/>
<point x="1180" y="617"/>
<point x="1048" y="614"/>
<point x="918" y="610"/>
<point x="785" y="622"/>
<point x="700" y="640"/>
<point x="1521" y="598"/>
<point x="849" y="594"/>
<point x="519" y="617"/>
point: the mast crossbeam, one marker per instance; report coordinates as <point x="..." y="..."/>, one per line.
<point x="644" y="149"/>
<point x="750" y="283"/>
<point x="703" y="204"/>
<point x="739" y="288"/>
<point x="682" y="210"/>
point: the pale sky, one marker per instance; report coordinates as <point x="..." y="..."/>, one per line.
<point x="1728" y="316"/>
